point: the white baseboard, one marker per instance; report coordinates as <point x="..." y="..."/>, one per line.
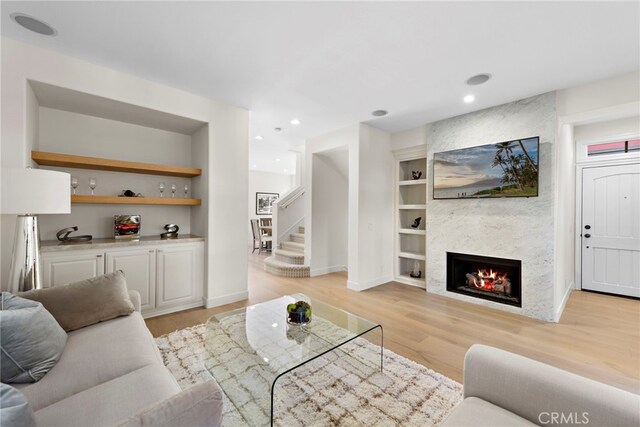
<point x="327" y="270"/>
<point x="160" y="311"/>
<point x="362" y="286"/>
<point x="558" y="314"/>
<point x="225" y="299"/>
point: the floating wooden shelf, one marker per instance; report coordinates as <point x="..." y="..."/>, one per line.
<point x="412" y="255"/>
<point x="412" y="207"/>
<point x="412" y="231"/>
<point x="413" y="182"/>
<point x="114" y="200"/>
<point x="96" y="163"/>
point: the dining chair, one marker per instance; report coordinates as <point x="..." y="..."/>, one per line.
<point x="259" y="238"/>
<point x="265" y="222"/>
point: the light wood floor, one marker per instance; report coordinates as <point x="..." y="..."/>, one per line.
<point x="598" y="335"/>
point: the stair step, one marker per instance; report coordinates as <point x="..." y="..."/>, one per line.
<point x="297" y="237"/>
<point x="292" y="257"/>
<point x="293" y="246"/>
<point x="279" y="268"/>
<point x="301" y="230"/>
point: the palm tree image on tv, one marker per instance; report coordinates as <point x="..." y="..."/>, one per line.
<point x="505" y="169"/>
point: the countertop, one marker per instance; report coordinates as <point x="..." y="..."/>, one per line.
<point x="105" y="243"/>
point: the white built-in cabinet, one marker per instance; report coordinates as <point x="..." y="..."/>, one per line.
<point x="66" y="267"/>
<point x="178" y="273"/>
<point x="410" y="203"/>
<point x="139" y="266"/>
<point x="169" y="277"/>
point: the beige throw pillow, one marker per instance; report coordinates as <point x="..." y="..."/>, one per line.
<point x="87" y="302"/>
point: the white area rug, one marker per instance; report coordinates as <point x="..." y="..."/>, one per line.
<point x="333" y="390"/>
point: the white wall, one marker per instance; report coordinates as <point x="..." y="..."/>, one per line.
<point x="592" y="132"/>
<point x="200" y="185"/>
<point x="331" y="197"/>
<point x="564" y="278"/>
<point x="228" y="183"/>
<point x="375" y="209"/>
<point x="513" y="228"/>
<point x="370" y="203"/>
<point x="265" y="182"/>
<point x="607" y="93"/>
<point x="585" y="112"/>
<point x="410" y="138"/>
<point x="341" y="139"/>
<point x="227" y="149"/>
<point x="72" y="133"/>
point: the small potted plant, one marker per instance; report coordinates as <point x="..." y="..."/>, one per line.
<point x="299" y="313"/>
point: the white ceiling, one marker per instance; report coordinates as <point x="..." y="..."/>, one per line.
<point x="330" y="64"/>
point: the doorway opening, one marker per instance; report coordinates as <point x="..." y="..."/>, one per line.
<point x="608" y="206"/>
<point x="330" y="212"/>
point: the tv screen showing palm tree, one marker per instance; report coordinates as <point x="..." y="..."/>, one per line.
<point x="505" y="169"/>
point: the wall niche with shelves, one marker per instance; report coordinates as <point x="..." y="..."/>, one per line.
<point x="410" y="188"/>
<point x="123" y="147"/>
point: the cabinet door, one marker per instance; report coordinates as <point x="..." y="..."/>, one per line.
<point x="178" y="275"/>
<point x="63" y="268"/>
<point x="139" y="267"/>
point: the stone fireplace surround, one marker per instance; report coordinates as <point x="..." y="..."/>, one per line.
<point x="512" y="228"/>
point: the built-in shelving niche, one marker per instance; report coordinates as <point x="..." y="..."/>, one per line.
<point x="411" y="203"/>
<point x="124" y="147"/>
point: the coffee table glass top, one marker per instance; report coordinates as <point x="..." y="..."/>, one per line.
<point x="250" y="348"/>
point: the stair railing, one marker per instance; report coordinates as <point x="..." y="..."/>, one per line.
<point x="288" y="213"/>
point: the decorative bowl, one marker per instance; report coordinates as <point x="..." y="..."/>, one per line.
<point x="299" y="313"/>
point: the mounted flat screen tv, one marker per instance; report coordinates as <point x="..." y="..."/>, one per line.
<point x="504" y="169"/>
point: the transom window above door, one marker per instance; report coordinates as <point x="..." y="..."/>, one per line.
<point x="615" y="147"/>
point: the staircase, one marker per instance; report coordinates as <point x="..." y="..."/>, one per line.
<point x="288" y="260"/>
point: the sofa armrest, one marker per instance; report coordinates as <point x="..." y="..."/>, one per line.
<point x="134" y="296"/>
<point x="197" y="406"/>
<point x="535" y="391"/>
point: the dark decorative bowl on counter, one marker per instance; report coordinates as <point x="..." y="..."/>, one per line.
<point x="299" y="313"/>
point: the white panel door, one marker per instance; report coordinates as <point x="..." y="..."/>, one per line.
<point x="139" y="267"/>
<point x="62" y="268"/>
<point x="178" y="275"/>
<point x="611" y="229"/>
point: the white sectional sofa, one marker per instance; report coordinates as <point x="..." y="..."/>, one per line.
<point x="111" y="374"/>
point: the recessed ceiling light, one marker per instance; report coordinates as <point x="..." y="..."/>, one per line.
<point x="277" y="160"/>
<point x="286" y="170"/>
<point x="259" y="137"/>
<point x="295" y="121"/>
<point x="33" y="24"/>
<point x="380" y="113"/>
<point x="254" y="166"/>
<point x="478" y="79"/>
<point x="469" y="98"/>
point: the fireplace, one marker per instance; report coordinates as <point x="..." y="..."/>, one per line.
<point x="493" y="279"/>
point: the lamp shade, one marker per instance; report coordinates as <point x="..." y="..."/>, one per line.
<point x="35" y="191"/>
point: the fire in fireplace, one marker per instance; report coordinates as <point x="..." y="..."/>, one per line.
<point x="494" y="279"/>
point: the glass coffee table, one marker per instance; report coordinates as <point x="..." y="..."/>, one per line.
<point x="251" y="348"/>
